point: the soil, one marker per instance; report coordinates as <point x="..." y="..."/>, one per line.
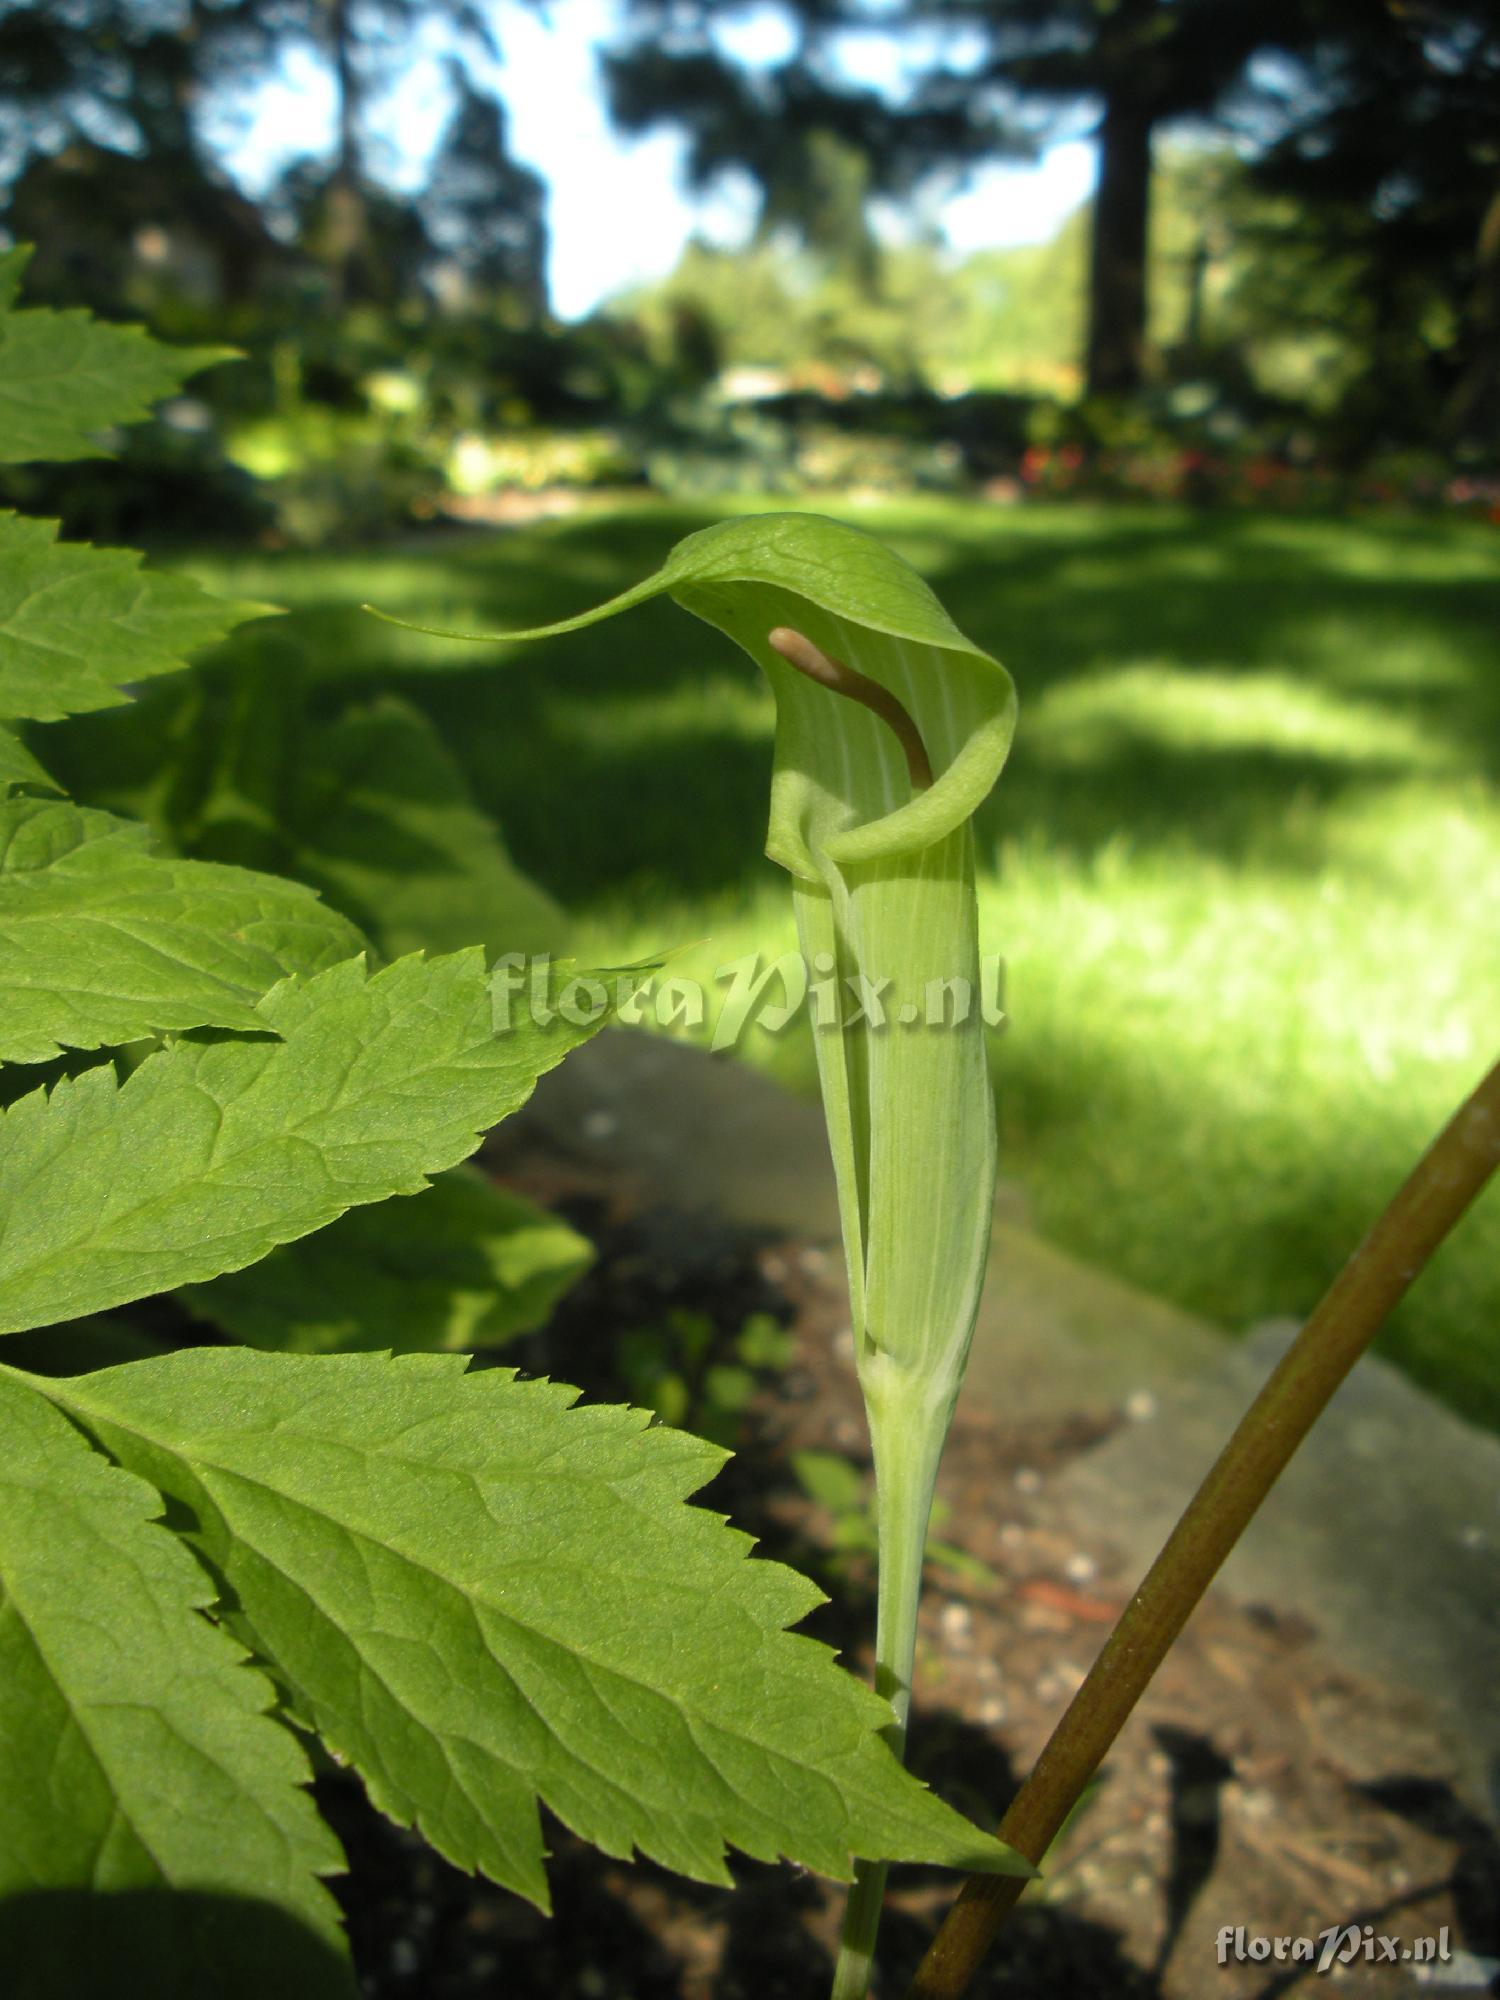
<point x="1260" y="1784"/>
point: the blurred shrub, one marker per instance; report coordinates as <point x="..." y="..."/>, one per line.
<point x="336" y="475"/>
<point x="533" y="459"/>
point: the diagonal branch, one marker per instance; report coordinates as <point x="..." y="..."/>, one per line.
<point x="1440" y="1187"/>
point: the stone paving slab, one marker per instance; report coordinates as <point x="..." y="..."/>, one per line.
<point x="1385" y="1530"/>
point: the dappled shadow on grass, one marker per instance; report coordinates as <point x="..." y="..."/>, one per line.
<point x="675" y="814"/>
<point x="1253" y="806"/>
<point x="681" y="799"/>
<point x="1414" y="656"/>
<point x="1222" y="716"/>
<point x="1391" y="625"/>
<point x="1160" y="1168"/>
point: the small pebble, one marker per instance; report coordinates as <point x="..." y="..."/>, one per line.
<point x="843" y="1343"/>
<point x="1080" y="1568"/>
<point x="812" y="1260"/>
<point x="1043" y="1618"/>
<point x="1028" y="1480"/>
<point x="956" y="1624"/>
<point x="1140" y="1406"/>
<point x="991" y="1710"/>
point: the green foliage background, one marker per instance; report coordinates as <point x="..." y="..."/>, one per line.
<point x="1242" y="868"/>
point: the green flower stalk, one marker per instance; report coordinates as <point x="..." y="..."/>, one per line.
<point x="891" y="728"/>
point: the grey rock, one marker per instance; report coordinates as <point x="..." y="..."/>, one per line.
<point x="1384" y="1530"/>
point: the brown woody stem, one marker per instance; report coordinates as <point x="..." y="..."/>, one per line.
<point x="800" y="652"/>
<point x="1441" y="1186"/>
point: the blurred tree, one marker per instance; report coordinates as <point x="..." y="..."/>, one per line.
<point x="1143" y="63"/>
<point x="102" y="159"/>
<point x="366" y="44"/>
<point x="483" y="212"/>
<point x="1247" y="297"/>
<point x="1391" y="151"/>
<point x="817" y="151"/>
<point x="127" y="86"/>
<point x="148" y="233"/>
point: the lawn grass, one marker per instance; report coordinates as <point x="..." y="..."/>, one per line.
<point x="1244" y="865"/>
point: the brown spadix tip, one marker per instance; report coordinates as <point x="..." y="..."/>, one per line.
<point x="799" y="651"/>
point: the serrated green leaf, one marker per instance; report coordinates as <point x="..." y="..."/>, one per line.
<point x="135" y="1748"/>
<point x="19" y="767"/>
<point x="78" y="623"/>
<point x="210" y="1154"/>
<point x="463" y="1264"/>
<point x="480" y="1595"/>
<point x="103" y="941"/>
<point x="65" y="377"/>
<point x="369" y="807"/>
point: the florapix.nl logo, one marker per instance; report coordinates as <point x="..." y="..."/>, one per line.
<point x="769" y="994"/>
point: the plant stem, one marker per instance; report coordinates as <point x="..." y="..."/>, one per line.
<point x="1439" y="1189"/>
<point x="907" y="1445"/>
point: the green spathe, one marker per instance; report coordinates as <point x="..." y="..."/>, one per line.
<point x="883" y="884"/>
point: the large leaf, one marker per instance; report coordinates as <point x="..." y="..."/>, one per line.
<point x="479" y="1596"/>
<point x="464" y="1264"/>
<point x="370" y="806"/>
<point x="65" y="377"/>
<point x="212" y="1153"/>
<point x="78" y="623"/>
<point x="103" y="941"/>
<point x="135" y="1751"/>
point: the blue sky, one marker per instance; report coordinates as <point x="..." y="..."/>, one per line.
<point x="617" y="209"/>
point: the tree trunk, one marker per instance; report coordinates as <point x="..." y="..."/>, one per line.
<point x="346" y="221"/>
<point x="1116" y="359"/>
<point x="1478" y="382"/>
